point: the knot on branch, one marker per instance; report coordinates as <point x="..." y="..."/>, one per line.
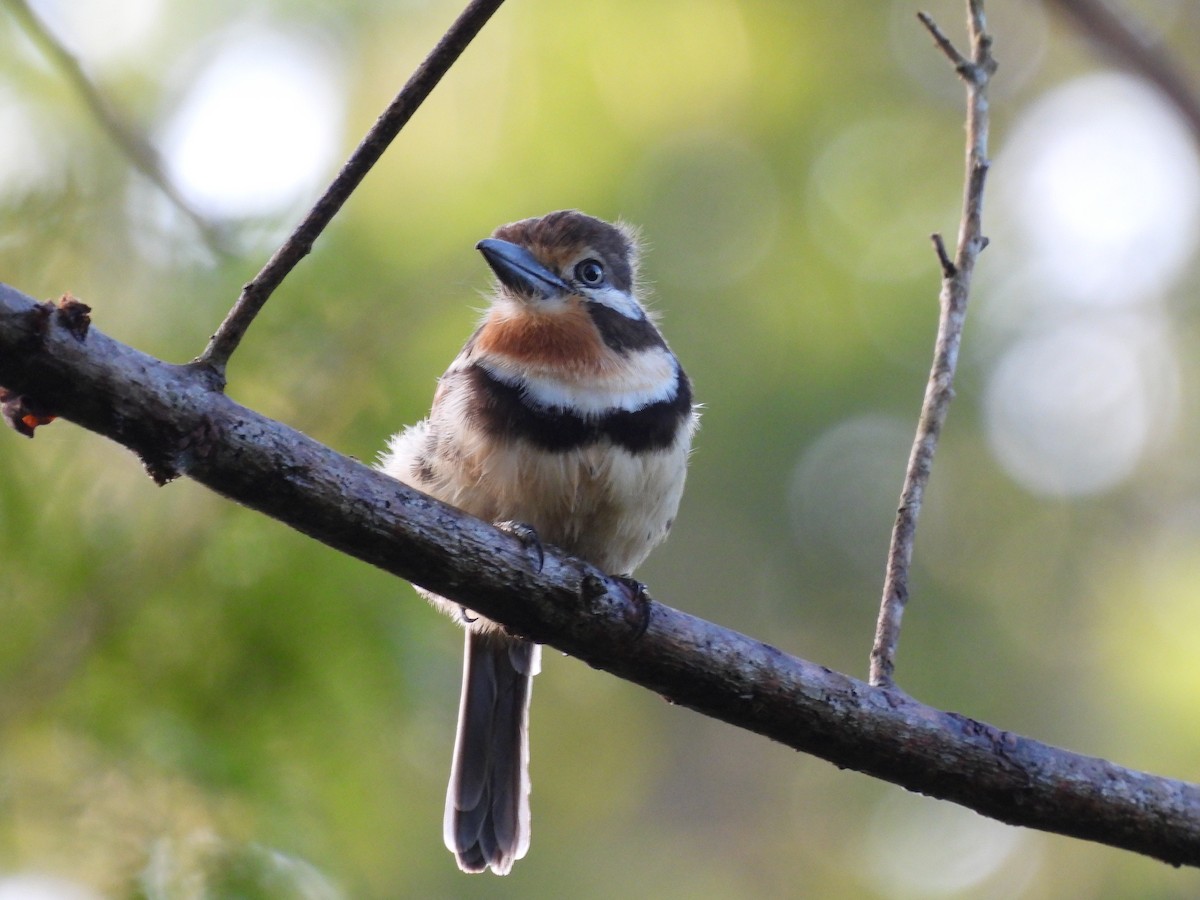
<point x="160" y="469"/>
<point x="978" y="73"/>
<point x="25" y="413"/>
<point x="637" y="611"/>
<point x="75" y="316"/>
<point x="591" y="589"/>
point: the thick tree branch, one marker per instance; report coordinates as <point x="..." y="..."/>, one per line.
<point x="975" y="72"/>
<point x="300" y="242"/>
<point x="179" y="425"/>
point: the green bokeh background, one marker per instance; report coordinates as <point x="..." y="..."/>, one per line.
<point x="198" y="702"/>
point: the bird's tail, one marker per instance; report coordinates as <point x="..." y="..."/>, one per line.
<point x="487" y="804"/>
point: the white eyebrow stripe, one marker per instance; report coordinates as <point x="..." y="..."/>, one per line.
<point x="625" y="304"/>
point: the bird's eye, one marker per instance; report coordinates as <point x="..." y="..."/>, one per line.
<point x="590" y="272"/>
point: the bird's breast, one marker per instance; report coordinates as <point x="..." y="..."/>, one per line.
<point x="564" y="340"/>
<point x="541" y="421"/>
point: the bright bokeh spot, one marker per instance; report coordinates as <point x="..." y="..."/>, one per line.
<point x="101" y="31"/>
<point x="844" y="489"/>
<point x="920" y="847"/>
<point x="1105" y="190"/>
<point x="1073" y="411"/>
<point x="258" y="127"/>
<point x="31" y="886"/>
<point x="28" y="158"/>
<point x="1101" y="222"/>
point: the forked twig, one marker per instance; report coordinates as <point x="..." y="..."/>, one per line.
<point x="300" y="242"/>
<point x="975" y="72"/>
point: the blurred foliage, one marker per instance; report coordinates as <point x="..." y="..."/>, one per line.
<point x="197" y="702"/>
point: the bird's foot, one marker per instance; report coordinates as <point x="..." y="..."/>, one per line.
<point x="640" y="609"/>
<point x="529" y="540"/>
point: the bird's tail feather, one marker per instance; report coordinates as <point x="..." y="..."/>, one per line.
<point x="487" y="804"/>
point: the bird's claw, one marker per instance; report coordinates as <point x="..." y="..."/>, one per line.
<point x="640" y="609"/>
<point x="529" y="540"/>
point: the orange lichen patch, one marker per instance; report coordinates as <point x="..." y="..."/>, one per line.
<point x="23" y="414"/>
<point x="31" y="421"/>
<point x="565" y="339"/>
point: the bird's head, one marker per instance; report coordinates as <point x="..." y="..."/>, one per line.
<point x="566" y="307"/>
<point x="566" y="258"/>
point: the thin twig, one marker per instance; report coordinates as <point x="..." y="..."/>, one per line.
<point x="135" y="145"/>
<point x="949" y="270"/>
<point x="956" y="282"/>
<point x="300" y="242"/>
<point x="944" y="43"/>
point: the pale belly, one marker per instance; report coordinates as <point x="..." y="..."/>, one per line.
<point x="599" y="502"/>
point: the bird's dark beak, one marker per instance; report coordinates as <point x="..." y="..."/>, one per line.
<point x="519" y="270"/>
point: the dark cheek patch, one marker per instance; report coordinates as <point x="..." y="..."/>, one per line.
<point x="622" y="334"/>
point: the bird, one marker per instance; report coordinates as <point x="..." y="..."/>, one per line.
<point x="565" y="419"/>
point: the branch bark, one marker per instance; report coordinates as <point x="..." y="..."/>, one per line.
<point x="175" y="420"/>
<point x="976" y="72"/>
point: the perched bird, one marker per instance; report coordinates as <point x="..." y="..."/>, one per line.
<point x="565" y="413"/>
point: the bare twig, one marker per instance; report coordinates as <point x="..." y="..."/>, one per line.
<point x="135" y="145"/>
<point x="300" y="242"/>
<point x="949" y="270"/>
<point x="1113" y="34"/>
<point x="956" y="282"/>
<point x="944" y="43"/>
<point x="169" y="417"/>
